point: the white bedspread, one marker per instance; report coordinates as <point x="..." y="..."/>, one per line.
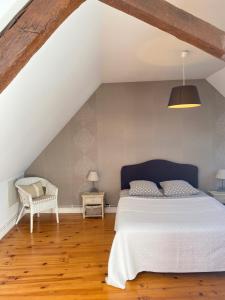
<point x="167" y="235"/>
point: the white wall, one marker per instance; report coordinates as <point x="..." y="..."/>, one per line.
<point x="8" y="206"/>
<point x="56" y="82"/>
<point x="8" y="9"/>
<point x="217" y="80"/>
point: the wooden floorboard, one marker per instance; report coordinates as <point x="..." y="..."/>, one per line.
<point x="69" y="262"/>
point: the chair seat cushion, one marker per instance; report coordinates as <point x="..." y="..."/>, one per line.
<point x="44" y="198"/>
<point x="34" y="189"/>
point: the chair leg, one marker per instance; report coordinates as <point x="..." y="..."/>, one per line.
<point x="20" y="215"/>
<point x="57" y="214"/>
<point x="31" y="222"/>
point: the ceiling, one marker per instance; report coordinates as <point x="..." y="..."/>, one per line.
<point x="8" y="9"/>
<point x="132" y="50"/>
<point x="135" y="51"/>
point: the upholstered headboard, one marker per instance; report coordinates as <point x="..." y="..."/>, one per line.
<point x="158" y="170"/>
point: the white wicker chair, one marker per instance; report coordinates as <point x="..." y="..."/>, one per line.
<point x="37" y="205"/>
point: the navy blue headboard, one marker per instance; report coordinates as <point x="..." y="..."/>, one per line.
<point x="158" y="170"/>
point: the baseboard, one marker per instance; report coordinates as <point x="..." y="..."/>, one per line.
<point x="78" y="210"/>
<point x="70" y="210"/>
<point x="8" y="226"/>
<point x="110" y="209"/>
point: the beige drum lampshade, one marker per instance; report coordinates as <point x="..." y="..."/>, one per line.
<point x="93" y="176"/>
<point x="220" y="174"/>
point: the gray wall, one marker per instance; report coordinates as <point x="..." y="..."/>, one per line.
<point x="127" y="123"/>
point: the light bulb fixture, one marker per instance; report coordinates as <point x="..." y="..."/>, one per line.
<point x="184" y="96"/>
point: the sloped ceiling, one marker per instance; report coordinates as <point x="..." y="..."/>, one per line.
<point x="8" y="9"/>
<point x="49" y="90"/>
<point x="218" y="81"/>
<point x="95" y="44"/>
<point x="135" y="51"/>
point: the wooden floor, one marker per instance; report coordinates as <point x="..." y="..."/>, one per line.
<point x="69" y="261"/>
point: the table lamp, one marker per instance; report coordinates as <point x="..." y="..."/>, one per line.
<point x="93" y="177"/>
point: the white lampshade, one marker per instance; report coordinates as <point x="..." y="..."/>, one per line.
<point x="93" y="176"/>
<point x="220" y="174"/>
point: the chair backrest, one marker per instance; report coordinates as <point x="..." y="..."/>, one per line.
<point x="30" y="180"/>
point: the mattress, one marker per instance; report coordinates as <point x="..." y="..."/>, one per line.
<point x="171" y="235"/>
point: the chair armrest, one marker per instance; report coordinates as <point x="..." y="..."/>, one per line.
<point x="51" y="189"/>
<point x="25" y="197"/>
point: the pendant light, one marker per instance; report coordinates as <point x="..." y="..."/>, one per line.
<point x="184" y="96"/>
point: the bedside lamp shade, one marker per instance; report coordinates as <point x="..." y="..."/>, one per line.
<point x="93" y="176"/>
<point x="220" y="174"/>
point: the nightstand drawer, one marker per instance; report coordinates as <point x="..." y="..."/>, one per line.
<point x="93" y="210"/>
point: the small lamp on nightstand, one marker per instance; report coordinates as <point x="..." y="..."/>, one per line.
<point x="93" y="177"/>
<point x="221" y="175"/>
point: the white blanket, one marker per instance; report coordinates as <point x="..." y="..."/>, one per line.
<point x="167" y="235"/>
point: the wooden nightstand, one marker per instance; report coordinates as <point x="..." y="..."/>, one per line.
<point x="93" y="204"/>
<point x="218" y="195"/>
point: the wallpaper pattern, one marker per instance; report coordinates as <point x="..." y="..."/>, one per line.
<point x="127" y="123"/>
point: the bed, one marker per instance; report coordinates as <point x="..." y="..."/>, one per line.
<point x="165" y="234"/>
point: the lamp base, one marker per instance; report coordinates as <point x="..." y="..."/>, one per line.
<point x="93" y="189"/>
<point x="221" y="187"/>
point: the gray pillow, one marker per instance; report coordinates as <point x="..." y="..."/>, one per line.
<point x="178" y="188"/>
<point x="144" y="188"/>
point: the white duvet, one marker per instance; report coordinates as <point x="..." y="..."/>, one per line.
<point x="167" y="235"/>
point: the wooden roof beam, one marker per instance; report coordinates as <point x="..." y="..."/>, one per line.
<point x="33" y="25"/>
<point x="179" y="23"/>
<point x="28" y="31"/>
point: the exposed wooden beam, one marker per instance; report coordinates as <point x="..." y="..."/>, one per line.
<point x="28" y="31"/>
<point x="181" y="24"/>
<point x="33" y="25"/>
